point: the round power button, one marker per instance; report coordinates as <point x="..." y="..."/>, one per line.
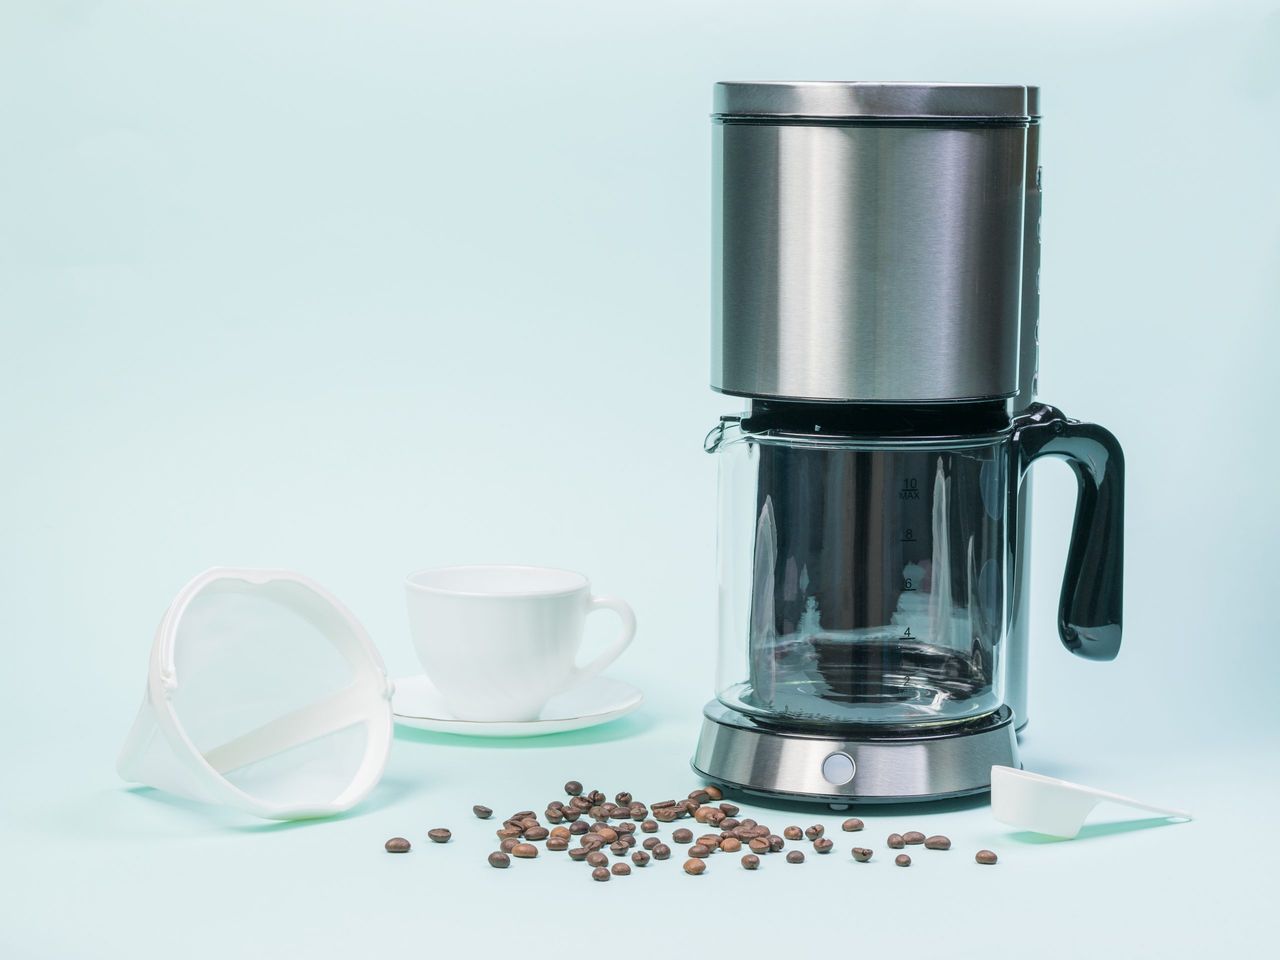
<point x="838" y="769"/>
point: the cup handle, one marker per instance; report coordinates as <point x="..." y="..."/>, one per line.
<point x="628" y="618"/>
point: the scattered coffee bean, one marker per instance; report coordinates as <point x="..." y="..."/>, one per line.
<point x="663" y="804"/>
<point x="626" y="826"/>
<point x="730" y="845"/>
<point x="895" y="841"/>
<point x="557" y="843"/>
<point x="580" y="804"/>
<point x="508" y="844"/>
<point x="537" y="833"/>
<point x="937" y="843"/>
<point x="623" y="799"/>
<point x="579" y="854"/>
<point x="621" y="869"/>
<point x="597" y="859"/>
<point x="484" y="813"/>
<point x="650" y="842"/>
<point x="397" y="845"/>
<point x="561" y="832"/>
<point x="525" y="851"/>
<point x="694" y="867"/>
<point x="852" y="825"/>
<point x="600" y="873"/>
<point x="554" y="816"/>
<point x="570" y="813"/>
<point x="985" y="857"/>
<point x="607" y="834"/>
<point x="902" y="860"/>
<point x="730" y="809"/>
<point x="661" y="852"/>
<point x="439" y="835"/>
<point x="750" y="861"/>
<point x="665" y="815"/>
<point x="713" y="792"/>
<point x="699" y="851"/>
<point x="861" y="854"/>
<point x="649" y="826"/>
<point x="814" y="832"/>
<point x="682" y="835"/>
<point x="520" y="815"/>
<point x="775" y="843"/>
<point x="640" y="858"/>
<point x="573" y="788"/>
<point x="596" y="797"/>
<point x="499" y="860"/>
<point x="508" y="832"/>
<point x="749" y="823"/>
<point x="638" y="811"/>
<point x="700" y="796"/>
<point x="913" y="837"/>
<point x="729" y="823"/>
<point x="711" y="840"/>
<point x="578" y="828"/>
<point x="619" y="849"/>
<point x="759" y="845"/>
<point x="795" y="856"/>
<point x="793" y="833"/>
<point x="823" y="845"/>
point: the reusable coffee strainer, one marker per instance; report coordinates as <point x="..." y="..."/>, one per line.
<point x="264" y="694"/>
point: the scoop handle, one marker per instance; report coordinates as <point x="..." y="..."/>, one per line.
<point x="1090" y="611"/>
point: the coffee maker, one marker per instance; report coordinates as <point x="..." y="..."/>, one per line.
<point x="876" y="250"/>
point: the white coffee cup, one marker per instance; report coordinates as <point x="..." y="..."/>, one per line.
<point x="498" y="642"/>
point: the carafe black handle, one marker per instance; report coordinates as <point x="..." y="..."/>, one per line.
<point x="1091" y="607"/>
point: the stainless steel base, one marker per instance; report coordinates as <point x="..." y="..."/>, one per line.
<point x="737" y="752"/>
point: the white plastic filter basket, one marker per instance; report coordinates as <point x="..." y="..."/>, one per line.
<point x="264" y="694"/>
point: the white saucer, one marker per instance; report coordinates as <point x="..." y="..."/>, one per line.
<point x="417" y="704"/>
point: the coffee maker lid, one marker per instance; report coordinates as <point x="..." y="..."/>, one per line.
<point x="870" y="100"/>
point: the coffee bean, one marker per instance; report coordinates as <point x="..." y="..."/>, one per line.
<point x="937" y="843"/>
<point x="623" y="799"/>
<point x="814" y="832"/>
<point x="580" y="804"/>
<point x="619" y="849"/>
<point x="554" y="816"/>
<point x="682" y="835"/>
<point x="750" y="861"/>
<point x="499" y="860"/>
<point x="694" y="867"/>
<point x="729" y="809"/>
<point x="640" y="858"/>
<point x="665" y="814"/>
<point x="573" y="788"/>
<point x="650" y="842"/>
<point x="561" y="832"/>
<point x="711" y="840"/>
<point x="730" y="823"/>
<point x="600" y="873"/>
<point x="579" y="854"/>
<point x="557" y="843"/>
<point x="775" y="842"/>
<point x="852" y="825"/>
<point x="708" y="815"/>
<point x="508" y="832"/>
<point x="795" y="856"/>
<point x="895" y="841"/>
<point x="578" y="828"/>
<point x="699" y="851"/>
<point x="484" y="813"/>
<point x="700" y="796"/>
<point x="439" y="835"/>
<point x="661" y="852"/>
<point x="913" y="837"/>
<point x="861" y="854"/>
<point x="621" y="869"/>
<point x="597" y="859"/>
<point x="507" y="845"/>
<point x="730" y="845"/>
<point x="713" y="792"/>
<point x="570" y="813"/>
<point x="749" y="823"/>
<point x="525" y="851"/>
<point x="597" y="813"/>
<point x="397" y="845"/>
<point x="537" y="833"/>
<point x="662" y="804"/>
<point x="649" y="826"/>
<point x="520" y="815"/>
<point x="596" y="797"/>
<point x="626" y="826"/>
<point x="689" y="807"/>
<point x="637" y="811"/>
<point x="793" y="833"/>
<point x="902" y="860"/>
<point x="986" y="857"/>
<point x="823" y="845"/>
<point x="607" y="834"/>
<point x="759" y="845"/>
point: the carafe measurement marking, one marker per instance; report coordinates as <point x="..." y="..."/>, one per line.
<point x="910" y="489"/>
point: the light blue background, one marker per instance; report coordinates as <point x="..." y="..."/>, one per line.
<point x="357" y="288"/>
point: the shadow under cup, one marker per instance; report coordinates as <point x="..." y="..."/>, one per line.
<point x="498" y="642"/>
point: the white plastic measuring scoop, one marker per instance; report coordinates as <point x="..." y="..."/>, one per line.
<point x="1057" y="808"/>
<point x="263" y="694"/>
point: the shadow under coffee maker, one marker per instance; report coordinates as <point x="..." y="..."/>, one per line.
<point x="874" y="296"/>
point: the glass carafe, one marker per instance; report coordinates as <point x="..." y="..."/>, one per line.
<point x="866" y="553"/>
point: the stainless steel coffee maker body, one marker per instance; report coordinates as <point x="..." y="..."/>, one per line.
<point x="871" y="304"/>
